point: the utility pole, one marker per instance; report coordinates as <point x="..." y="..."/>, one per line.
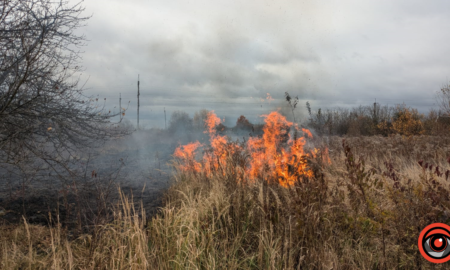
<point x="375" y="114"/>
<point x="165" y="121"/>
<point x="375" y="108"/>
<point x="120" y="106"/>
<point x="138" y="94"/>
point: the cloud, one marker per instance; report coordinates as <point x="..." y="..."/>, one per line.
<point x="221" y="54"/>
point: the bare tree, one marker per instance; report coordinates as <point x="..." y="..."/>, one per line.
<point x="199" y="119"/>
<point x="443" y="99"/>
<point x="180" y="121"/>
<point x="44" y="114"/>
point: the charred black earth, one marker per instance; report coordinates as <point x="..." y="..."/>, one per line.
<point x="138" y="166"/>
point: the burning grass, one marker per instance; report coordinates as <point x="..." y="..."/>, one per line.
<point x="278" y="155"/>
<point x="284" y="200"/>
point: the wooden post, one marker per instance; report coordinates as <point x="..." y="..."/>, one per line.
<point x="375" y="109"/>
<point x="138" y="94"/>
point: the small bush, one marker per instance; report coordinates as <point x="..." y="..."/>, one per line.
<point x="243" y="123"/>
<point x="180" y="122"/>
<point x="407" y="122"/>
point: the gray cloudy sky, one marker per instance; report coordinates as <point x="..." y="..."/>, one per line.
<point x="227" y="55"/>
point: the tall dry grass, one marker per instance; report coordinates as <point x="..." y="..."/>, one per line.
<point x="121" y="244"/>
<point x="363" y="211"/>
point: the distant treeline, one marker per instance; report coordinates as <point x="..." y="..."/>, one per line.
<point x="362" y="120"/>
<point x="378" y="120"/>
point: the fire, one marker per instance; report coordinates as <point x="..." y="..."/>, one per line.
<point x="307" y="132"/>
<point x="220" y="147"/>
<point x="211" y="122"/>
<point x="186" y="155"/>
<point x="279" y="154"/>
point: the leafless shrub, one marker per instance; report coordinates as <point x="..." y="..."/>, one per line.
<point x="44" y="116"/>
<point x="443" y="99"/>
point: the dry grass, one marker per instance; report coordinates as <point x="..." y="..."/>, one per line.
<point x="357" y="213"/>
<point x="122" y="244"/>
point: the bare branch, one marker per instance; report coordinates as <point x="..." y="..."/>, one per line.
<point x="44" y="115"/>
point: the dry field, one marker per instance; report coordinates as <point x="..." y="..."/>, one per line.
<point x="277" y="201"/>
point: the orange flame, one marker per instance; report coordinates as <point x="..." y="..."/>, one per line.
<point x="211" y="122"/>
<point x="307" y="132"/>
<point x="220" y="147"/>
<point x="186" y="154"/>
<point x="276" y="155"/>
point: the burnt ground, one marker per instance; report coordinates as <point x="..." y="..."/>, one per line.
<point x="139" y="166"/>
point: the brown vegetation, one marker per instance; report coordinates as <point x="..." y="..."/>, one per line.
<point x="365" y="210"/>
<point x="376" y="120"/>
